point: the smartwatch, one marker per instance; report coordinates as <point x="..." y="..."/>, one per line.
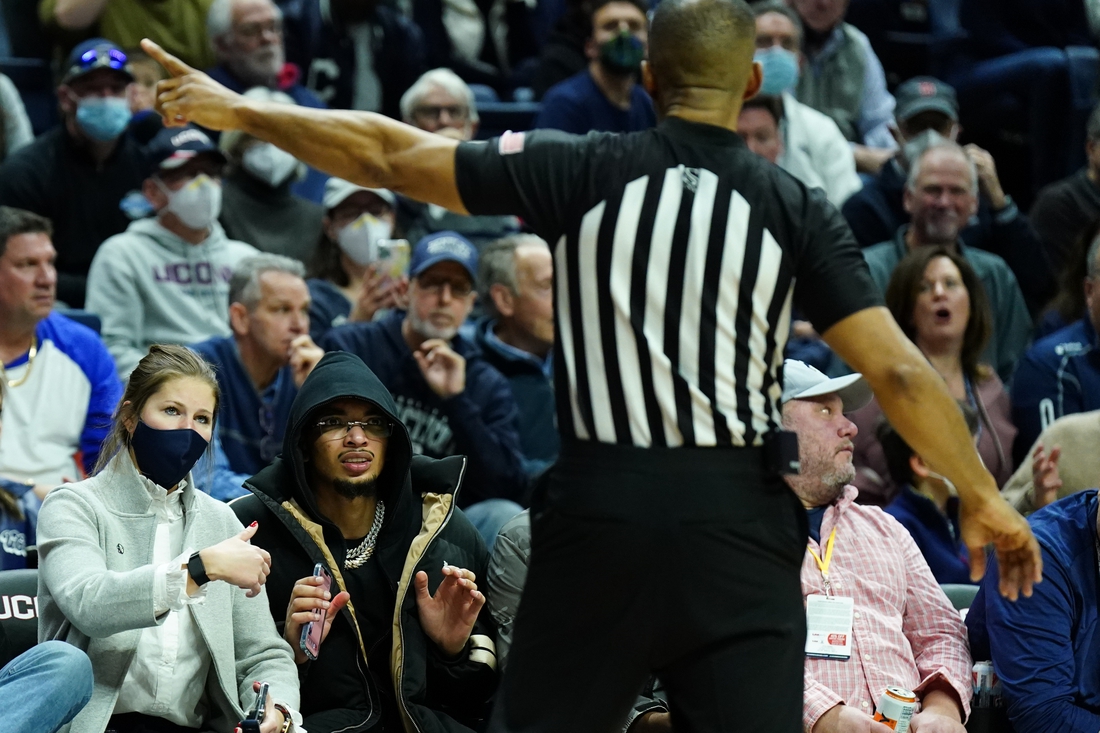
<point x="197" y="570"/>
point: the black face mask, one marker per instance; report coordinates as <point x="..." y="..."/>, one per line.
<point x="166" y="456"/>
<point x="623" y="54"/>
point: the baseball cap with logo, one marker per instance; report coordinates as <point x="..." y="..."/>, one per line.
<point x="801" y="381"/>
<point x="174" y="146"/>
<point x="337" y="191"/>
<point x="93" y="54"/>
<point x="925" y="94"/>
<point x="444" y="247"/>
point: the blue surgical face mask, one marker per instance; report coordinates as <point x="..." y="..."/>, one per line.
<point x="780" y="68"/>
<point x="103" y="118"/>
<point x="166" y="456"/>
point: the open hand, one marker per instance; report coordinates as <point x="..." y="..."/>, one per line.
<point x="994" y="521"/>
<point x="444" y="370"/>
<point x="1044" y="475"/>
<point x="238" y="562"/>
<point x="190" y="95"/>
<point x="304" y="355"/>
<point x="448" y="617"/>
<point x="310" y="602"/>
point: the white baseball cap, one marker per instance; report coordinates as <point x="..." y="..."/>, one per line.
<point x="801" y="381"/>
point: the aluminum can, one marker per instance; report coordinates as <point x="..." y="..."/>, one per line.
<point x="896" y="708"/>
<point x="987" y="686"/>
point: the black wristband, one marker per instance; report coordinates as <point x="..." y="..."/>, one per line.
<point x="197" y="570"/>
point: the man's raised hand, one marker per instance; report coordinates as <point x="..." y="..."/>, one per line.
<point x="995" y="522"/>
<point x="448" y="617"/>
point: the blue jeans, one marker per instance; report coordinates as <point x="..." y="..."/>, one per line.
<point x="44" y="688"/>
<point x="489" y="516"/>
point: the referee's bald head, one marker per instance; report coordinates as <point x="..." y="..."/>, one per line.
<point x="701" y="45"/>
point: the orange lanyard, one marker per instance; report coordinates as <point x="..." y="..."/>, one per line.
<point x="823" y="565"/>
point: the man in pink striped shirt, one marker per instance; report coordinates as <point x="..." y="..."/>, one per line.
<point x="881" y="618"/>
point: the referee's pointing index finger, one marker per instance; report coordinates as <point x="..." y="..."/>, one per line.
<point x="171" y="64"/>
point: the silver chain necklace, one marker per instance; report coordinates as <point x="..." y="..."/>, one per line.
<point x="359" y="555"/>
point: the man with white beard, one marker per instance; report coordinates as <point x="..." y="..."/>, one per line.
<point x="941" y="195"/>
<point x="247" y="36"/>
<point x="451" y="399"/>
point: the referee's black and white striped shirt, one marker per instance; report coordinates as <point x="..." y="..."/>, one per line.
<point x="678" y="255"/>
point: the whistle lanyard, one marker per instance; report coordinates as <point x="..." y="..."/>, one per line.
<point x="823" y="565"/>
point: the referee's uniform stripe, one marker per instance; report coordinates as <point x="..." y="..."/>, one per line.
<point x="664" y="224"/>
<point x="587" y="251"/>
<point x="691" y="307"/>
<point x="771" y="257"/>
<point x="648" y="410"/>
<point x="629" y="374"/>
<point x="725" y="348"/>
<point x="564" y="337"/>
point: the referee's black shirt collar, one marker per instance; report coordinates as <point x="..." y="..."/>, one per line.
<point x="699" y="132"/>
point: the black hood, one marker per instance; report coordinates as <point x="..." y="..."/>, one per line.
<point x="337" y="376"/>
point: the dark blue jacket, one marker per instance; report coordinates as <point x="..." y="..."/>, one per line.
<point x="328" y="307"/>
<point x="875" y="213"/>
<point x="534" y="393"/>
<point x="578" y="106"/>
<point x="326" y="54"/>
<point x="937" y="536"/>
<point x="1059" y="375"/>
<point x="250" y="429"/>
<point x="481" y="423"/>
<point x="16" y="534"/>
<point x="1046" y="648"/>
<point x="997" y="28"/>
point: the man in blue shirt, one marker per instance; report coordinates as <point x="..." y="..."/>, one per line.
<point x="516" y="283"/>
<point x="1044" y="647"/>
<point x="606" y="96"/>
<point x="1060" y="374"/>
<point x="260" y="368"/>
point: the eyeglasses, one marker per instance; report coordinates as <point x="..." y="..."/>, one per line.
<point x="101" y="56"/>
<point x="252" y="31"/>
<point x="433" y="286"/>
<point x="334" y="428"/>
<point x="432" y="112"/>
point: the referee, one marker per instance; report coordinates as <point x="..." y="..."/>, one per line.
<point x="666" y="541"/>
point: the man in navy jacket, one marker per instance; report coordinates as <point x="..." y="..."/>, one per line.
<point x="450" y="398"/>
<point x="1060" y="374"/>
<point x="1044" y="647"/>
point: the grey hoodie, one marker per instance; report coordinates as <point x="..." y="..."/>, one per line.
<point x="151" y="287"/>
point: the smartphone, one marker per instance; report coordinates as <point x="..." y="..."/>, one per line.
<point x="393" y="258"/>
<point x="255" y="717"/>
<point x="311" y="632"/>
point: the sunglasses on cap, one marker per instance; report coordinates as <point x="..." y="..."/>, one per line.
<point x="99" y="57"/>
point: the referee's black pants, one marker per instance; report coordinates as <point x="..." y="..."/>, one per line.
<point x="679" y="562"/>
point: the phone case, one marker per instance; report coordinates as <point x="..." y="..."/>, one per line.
<point x="255" y="716"/>
<point x="311" y="632"/>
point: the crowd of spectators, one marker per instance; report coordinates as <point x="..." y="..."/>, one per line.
<point x="378" y="358"/>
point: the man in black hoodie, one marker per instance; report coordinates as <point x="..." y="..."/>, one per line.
<point x="347" y="493"/>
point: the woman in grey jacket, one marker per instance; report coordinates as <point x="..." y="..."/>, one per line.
<point x="143" y="572"/>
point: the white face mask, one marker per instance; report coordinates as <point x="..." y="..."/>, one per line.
<point x="269" y="164"/>
<point x="197" y="204"/>
<point x="359" y="239"/>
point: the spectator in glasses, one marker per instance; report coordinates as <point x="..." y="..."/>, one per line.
<point x="448" y="395"/>
<point x="76" y="174"/>
<point x="442" y="103"/>
<point x="260" y="366"/>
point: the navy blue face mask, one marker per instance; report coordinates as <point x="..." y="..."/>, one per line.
<point x="165" y="456"/>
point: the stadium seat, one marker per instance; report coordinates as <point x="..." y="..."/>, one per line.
<point x="34" y="80"/>
<point x="496" y="117"/>
<point x="18" y="612"/>
<point x="961" y="595"/>
<point x="83" y="317"/>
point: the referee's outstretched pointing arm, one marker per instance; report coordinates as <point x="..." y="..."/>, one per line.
<point x="375" y="151"/>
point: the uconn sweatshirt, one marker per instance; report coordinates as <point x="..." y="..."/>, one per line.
<point x="151" y="287"/>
